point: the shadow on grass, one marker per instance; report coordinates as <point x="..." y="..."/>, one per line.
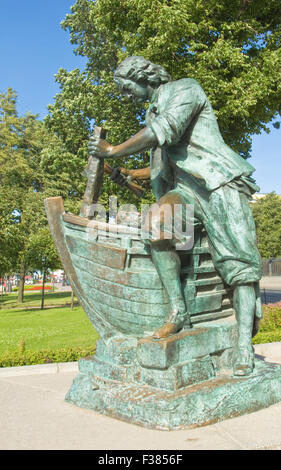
<point x="36" y="308"/>
<point x="10" y="301"/>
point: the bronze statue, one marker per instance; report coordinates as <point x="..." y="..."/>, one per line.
<point x="175" y="321"/>
<point x="191" y="164"/>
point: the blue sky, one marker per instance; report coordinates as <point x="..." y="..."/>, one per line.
<point x="33" y="47"/>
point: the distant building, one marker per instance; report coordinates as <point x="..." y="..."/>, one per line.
<point x="58" y="275"/>
<point x="28" y="280"/>
<point x="258" y="196"/>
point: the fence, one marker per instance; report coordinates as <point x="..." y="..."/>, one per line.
<point x="271" y="267"/>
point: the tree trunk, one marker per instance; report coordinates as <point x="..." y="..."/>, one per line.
<point x="9" y="285"/>
<point x="43" y="290"/>
<point x="21" y="284"/>
<point x="72" y="299"/>
<point x="1" y="292"/>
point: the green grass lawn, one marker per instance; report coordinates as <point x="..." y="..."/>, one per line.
<point x="25" y="329"/>
<point x="45" y="329"/>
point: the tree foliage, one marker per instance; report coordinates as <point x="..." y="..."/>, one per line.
<point x="267" y="215"/>
<point x="41" y="255"/>
<point x="19" y="178"/>
<point x="41" y="252"/>
<point x="24" y="185"/>
<point x="232" y="48"/>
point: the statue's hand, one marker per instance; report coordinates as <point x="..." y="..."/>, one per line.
<point x="99" y="148"/>
<point x="118" y="177"/>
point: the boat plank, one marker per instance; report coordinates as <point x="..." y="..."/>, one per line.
<point x="76" y="220"/>
<point x="134" y="294"/>
<point x="123" y="320"/>
<point x="112" y="256"/>
<point x="147" y="279"/>
<point x="109" y="298"/>
<point x="208" y="317"/>
<point x="207" y="302"/>
<point x="133" y="308"/>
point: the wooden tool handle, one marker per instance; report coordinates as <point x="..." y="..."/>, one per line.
<point x="94" y="172"/>
<point x="135" y="188"/>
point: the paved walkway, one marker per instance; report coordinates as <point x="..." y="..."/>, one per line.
<point x="270" y="289"/>
<point x="35" y="416"/>
<point x="271" y="282"/>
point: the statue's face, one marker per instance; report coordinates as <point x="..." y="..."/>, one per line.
<point x="138" y="91"/>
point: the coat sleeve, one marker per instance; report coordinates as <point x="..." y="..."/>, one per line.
<point x="178" y="107"/>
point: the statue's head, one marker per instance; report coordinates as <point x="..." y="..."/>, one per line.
<point x="135" y="74"/>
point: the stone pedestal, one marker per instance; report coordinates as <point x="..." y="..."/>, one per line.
<point x="184" y="380"/>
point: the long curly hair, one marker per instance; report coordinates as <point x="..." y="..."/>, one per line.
<point x="138" y="69"/>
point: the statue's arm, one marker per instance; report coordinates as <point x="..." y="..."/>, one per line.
<point x="143" y="140"/>
<point x="137" y="174"/>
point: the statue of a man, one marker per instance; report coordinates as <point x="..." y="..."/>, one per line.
<point x="191" y="164"/>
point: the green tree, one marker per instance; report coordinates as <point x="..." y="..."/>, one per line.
<point x="232" y="48"/>
<point x="267" y="215"/>
<point x="19" y="176"/>
<point x="23" y="184"/>
<point x="7" y="245"/>
<point x="41" y="255"/>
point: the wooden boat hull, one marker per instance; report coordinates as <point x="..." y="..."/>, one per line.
<point x="110" y="269"/>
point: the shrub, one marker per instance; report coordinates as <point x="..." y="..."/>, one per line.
<point x="270" y="325"/>
<point x="269" y="337"/>
<point x="271" y="317"/>
<point x="23" y="357"/>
